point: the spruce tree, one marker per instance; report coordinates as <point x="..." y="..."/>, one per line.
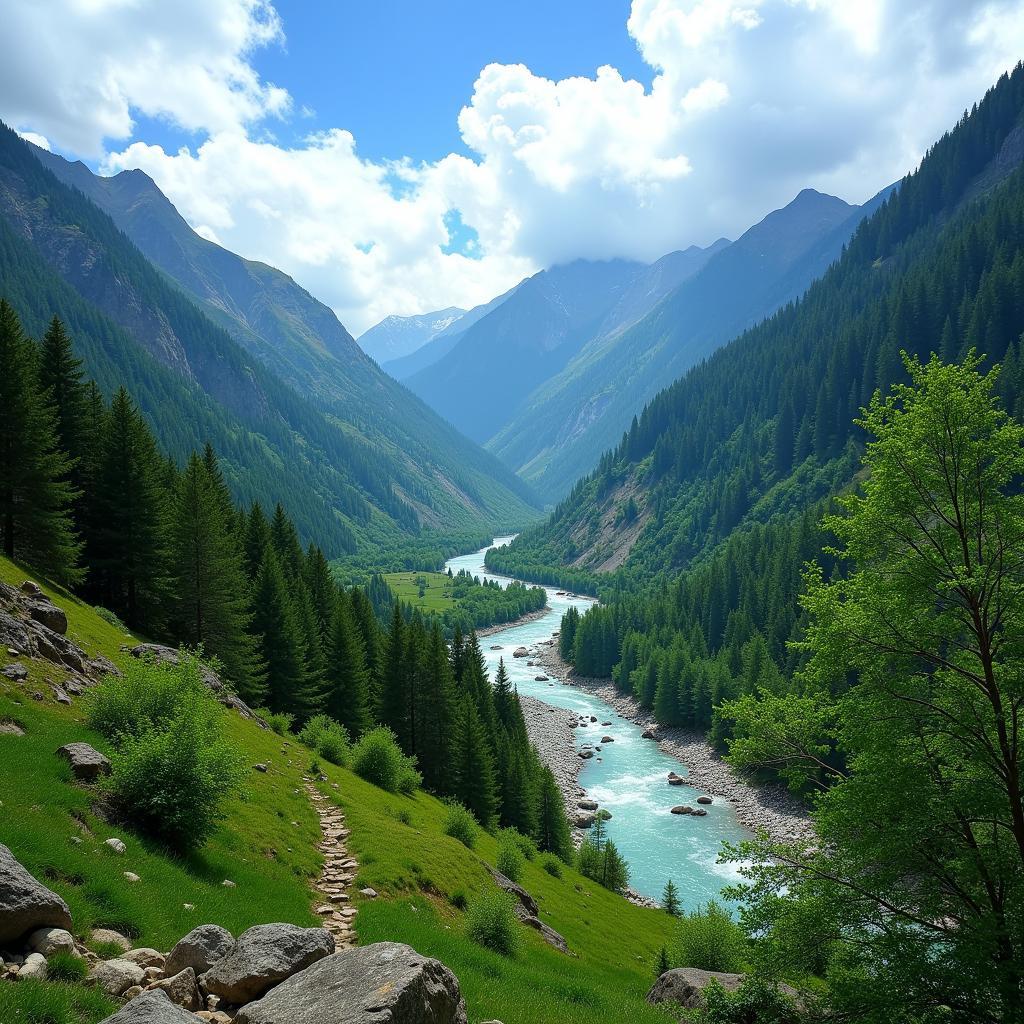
<point x="60" y="375"/>
<point x="323" y="591"/>
<point x="474" y="781"/>
<point x="670" y="899"/>
<point x="286" y="543"/>
<point x="35" y="494"/>
<point x="348" y="683"/>
<point x="211" y="592"/>
<point x="394" y="695"/>
<point x="432" y="712"/>
<point x="256" y="540"/>
<point x="552" y="825"/>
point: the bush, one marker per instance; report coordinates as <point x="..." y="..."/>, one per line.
<point x="64" y="966"/>
<point x="110" y="618"/>
<point x="491" y="921"/>
<point x="553" y="866"/>
<point x="510" y="859"/>
<point x="527" y="847"/>
<point x="458" y="899"/>
<point x="604" y="864"/>
<point x="378" y="759"/>
<point x="280" y="721"/>
<point x="328" y="738"/>
<point x="460" y="824"/>
<point x="171" y="769"/>
<point x="709" y="939"/>
<point x="757" y="999"/>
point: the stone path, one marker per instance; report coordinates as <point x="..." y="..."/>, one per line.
<point x="335" y="883"/>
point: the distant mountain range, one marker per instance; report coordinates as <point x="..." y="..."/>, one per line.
<point x="215" y="347"/>
<point x="397" y="336"/>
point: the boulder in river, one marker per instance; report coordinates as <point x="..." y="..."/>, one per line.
<point x="540" y="679"/>
<point x="587" y="805"/>
<point x="704" y="800"/>
<point x="607" y="739"/>
<point x="521" y="652"/>
<point x="674" y="780"/>
<point x="682" y="809"/>
<point x="648" y="734"/>
<point x="586" y="754"/>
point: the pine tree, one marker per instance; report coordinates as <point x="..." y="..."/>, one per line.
<point x="35" y="495"/>
<point x="394" y="695"/>
<point x="129" y="544"/>
<point x="552" y="825"/>
<point x="60" y="375"/>
<point x="474" y="782"/>
<point x="670" y="899"/>
<point x="212" y="595"/>
<point x="347" y="697"/>
<point x="256" y="540"/>
<point x="323" y="591"/>
<point x="432" y="712"/>
<point x="662" y="964"/>
<point x="286" y="543"/>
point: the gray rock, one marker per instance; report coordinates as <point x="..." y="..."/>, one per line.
<point x="682" y="809"/>
<point x="182" y="989"/>
<point x="262" y="957"/>
<point x="114" y="976"/>
<point x="33" y="967"/>
<point x="31" y="588"/>
<point x="114" y="844"/>
<point x="526" y="901"/>
<point x="150" y="1008"/>
<point x="51" y="940"/>
<point x="145" y="957"/>
<point x="587" y="805"/>
<point x="685" y="986"/>
<point x="584" y="820"/>
<point x="607" y="739"/>
<point x="704" y="800"/>
<point x="108" y="937"/>
<point x="387" y="981"/>
<point x="200" y="949"/>
<point x="86" y="761"/>
<point x="45" y="612"/>
<point x="15" y="671"/>
<point x="26" y="904"/>
<point x="547" y="933"/>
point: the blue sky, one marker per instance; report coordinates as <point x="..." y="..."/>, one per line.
<point x="325" y="138"/>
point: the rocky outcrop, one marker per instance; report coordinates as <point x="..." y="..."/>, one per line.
<point x="200" y="949"/>
<point x="182" y="989"/>
<point x="386" y="981"/>
<point x="262" y="957"/>
<point x="114" y="976"/>
<point x="25" y="903"/>
<point x="150" y="1008"/>
<point x="547" y="933"/>
<point x="526" y="901"/>
<point x="685" y="986"/>
<point x="87" y="763"/>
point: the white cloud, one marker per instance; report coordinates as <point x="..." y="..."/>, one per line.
<point x="751" y="101"/>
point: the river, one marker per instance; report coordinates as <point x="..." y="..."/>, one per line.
<point x="629" y="777"/>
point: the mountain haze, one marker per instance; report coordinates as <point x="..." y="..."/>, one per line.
<point x="398" y="336"/>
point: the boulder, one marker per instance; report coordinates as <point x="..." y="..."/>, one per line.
<point x="387" y="981"/>
<point x="115" y="845"/>
<point x="685" y="986"/>
<point x="526" y="901"/>
<point x="674" y="780"/>
<point x="607" y="739"/>
<point x="704" y="800"/>
<point x="547" y="933"/>
<point x="682" y="809"/>
<point x="87" y="763"/>
<point x="114" y="976"/>
<point x="584" y="820"/>
<point x="15" y="671"/>
<point x="26" y="904"/>
<point x="540" y="679"/>
<point x="520" y="652"/>
<point x="698" y="812"/>
<point x="587" y="805"/>
<point x="47" y="614"/>
<point x="200" y="949"/>
<point x="108" y="937"/>
<point x="31" y="589"/>
<point x="145" y="957"/>
<point x="182" y="989"/>
<point x="648" y="734"/>
<point x="51" y="940"/>
<point x="585" y="754"/>
<point x="150" y="1008"/>
<point x="263" y="956"/>
<point x="33" y="967"/>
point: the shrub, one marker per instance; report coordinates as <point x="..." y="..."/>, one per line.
<point x="553" y="866"/>
<point x="510" y="859"/>
<point x="527" y="847"/>
<point x="757" y="999"/>
<point x="709" y="939"/>
<point x="458" y="899"/>
<point x="604" y="864"/>
<point x="328" y="738"/>
<point x="460" y="824"/>
<point x="64" y="966"/>
<point x="491" y="921"/>
<point x="280" y="721"/>
<point x="171" y="769"/>
<point x="378" y="759"/>
<point x="110" y="618"/>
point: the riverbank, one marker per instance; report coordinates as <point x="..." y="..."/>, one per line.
<point x="552" y="732"/>
<point x="500" y="627"/>
<point x="759" y="807"/>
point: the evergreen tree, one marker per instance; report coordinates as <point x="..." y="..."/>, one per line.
<point x="552" y="825"/>
<point x="256" y="540"/>
<point x="286" y="543"/>
<point x="395" y="682"/>
<point x="60" y="375"/>
<point x="432" y="711"/>
<point x="211" y="593"/>
<point x="662" y="964"/>
<point x="35" y="495"/>
<point x="348" y="683"/>
<point x="474" y="782"/>
<point x="670" y="899"/>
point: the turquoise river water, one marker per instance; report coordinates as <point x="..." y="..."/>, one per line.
<point x="630" y="780"/>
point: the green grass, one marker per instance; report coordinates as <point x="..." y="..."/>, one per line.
<point x="268" y="846"/>
<point x="437" y="590"/>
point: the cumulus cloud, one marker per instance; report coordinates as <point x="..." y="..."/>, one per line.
<point x="751" y="101"/>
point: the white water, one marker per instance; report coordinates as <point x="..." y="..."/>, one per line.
<point x="629" y="776"/>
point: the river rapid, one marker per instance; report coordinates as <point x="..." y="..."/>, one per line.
<point x="629" y="776"/>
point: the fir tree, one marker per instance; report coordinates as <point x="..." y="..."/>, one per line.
<point x="347" y="684"/>
<point x="670" y="899"/>
<point x="60" y="375"/>
<point x="394" y="694"/>
<point x="35" y="495"/>
<point x="552" y="826"/>
<point x="474" y="782"/>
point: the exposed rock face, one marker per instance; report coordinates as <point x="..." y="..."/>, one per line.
<point x="685" y="986"/>
<point x="386" y="981"/>
<point x="43" y="610"/>
<point x="150" y="1008"/>
<point x="547" y="933"/>
<point x="114" y="976"/>
<point x="86" y="762"/>
<point x="26" y="904"/>
<point x="200" y="949"/>
<point x="526" y="901"/>
<point x="262" y="957"/>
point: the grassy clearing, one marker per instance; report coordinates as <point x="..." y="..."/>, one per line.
<point x="267" y="845"/>
<point x="436" y="589"/>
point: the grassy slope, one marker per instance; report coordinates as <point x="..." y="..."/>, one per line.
<point x="437" y="595"/>
<point x="414" y="867"/>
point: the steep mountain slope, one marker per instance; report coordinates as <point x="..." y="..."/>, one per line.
<point x="559" y="432"/>
<point x="398" y="336"/>
<point x="367" y="462"/>
<point x="748" y="442"/>
<point x="534" y="334"/>
<point x="444" y="341"/>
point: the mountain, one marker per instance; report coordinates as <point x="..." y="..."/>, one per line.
<point x="718" y="485"/>
<point x="558" y="433"/>
<point x="444" y="341"/>
<point x="397" y="336"/>
<point x="218" y="348"/>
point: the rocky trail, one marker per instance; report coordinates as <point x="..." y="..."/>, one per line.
<point x="335" y="883"/>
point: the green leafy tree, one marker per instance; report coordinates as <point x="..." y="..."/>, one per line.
<point x="35" y="492"/>
<point x="914" y="887"/>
